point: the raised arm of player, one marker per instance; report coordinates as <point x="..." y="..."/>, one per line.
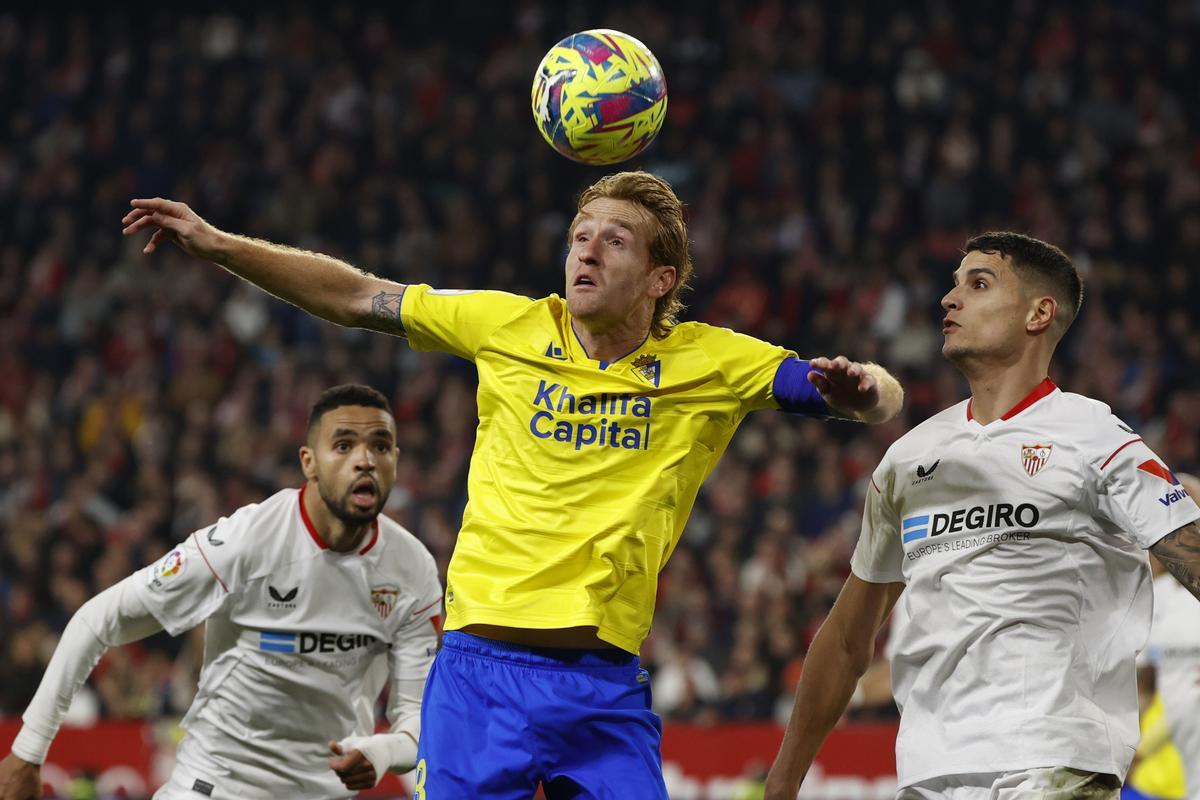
<point x="321" y="285"/>
<point x="114" y="617"/>
<point x="864" y="392"/>
<point x="1179" y="551"/>
<point x="840" y="654"/>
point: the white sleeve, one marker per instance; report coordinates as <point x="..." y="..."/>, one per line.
<point x="114" y="617"/>
<point x="1135" y="490"/>
<point x="414" y="646"/>
<point x="879" y="555"/>
<point x="188" y="584"/>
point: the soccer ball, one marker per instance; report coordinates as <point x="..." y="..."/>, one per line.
<point x="599" y="97"/>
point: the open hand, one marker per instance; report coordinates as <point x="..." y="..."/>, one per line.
<point x="174" y="222"/>
<point x="19" y="780"/>
<point x="355" y="771"/>
<point x="846" y="385"/>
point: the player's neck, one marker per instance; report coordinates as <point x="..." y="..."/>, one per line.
<point x="610" y="343"/>
<point x="338" y="536"/>
<point x="995" y="391"/>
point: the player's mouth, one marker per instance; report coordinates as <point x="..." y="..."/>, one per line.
<point x="584" y="280"/>
<point x="364" y="493"/>
<point x="949" y="325"/>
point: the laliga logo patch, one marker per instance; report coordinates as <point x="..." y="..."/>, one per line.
<point x="172" y="564"/>
<point x="384" y="599"/>
<point x="1162" y="473"/>
<point x="1034" y="457"/>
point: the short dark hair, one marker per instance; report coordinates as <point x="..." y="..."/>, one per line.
<point x="1039" y="261"/>
<point x="348" y="394"/>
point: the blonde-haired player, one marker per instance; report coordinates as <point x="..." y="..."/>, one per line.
<point x="599" y="417"/>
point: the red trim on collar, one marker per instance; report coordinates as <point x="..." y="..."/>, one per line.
<point x="374" y="537"/>
<point x="1041" y="390"/>
<point x="316" y="537"/>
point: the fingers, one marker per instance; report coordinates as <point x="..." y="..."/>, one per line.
<point x="839" y="365"/>
<point x="160" y="205"/>
<point x="136" y="214"/>
<point x="158" y="236"/>
<point x="142" y="221"/>
<point x="353" y="768"/>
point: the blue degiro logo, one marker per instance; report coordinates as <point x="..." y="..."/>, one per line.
<point x="277" y="642"/>
<point x="915" y="528"/>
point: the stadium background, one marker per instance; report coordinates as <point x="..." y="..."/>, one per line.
<point x="834" y="157"/>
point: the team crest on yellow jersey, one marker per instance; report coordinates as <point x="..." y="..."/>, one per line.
<point x="648" y="367"/>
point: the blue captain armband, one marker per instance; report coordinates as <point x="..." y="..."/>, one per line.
<point x="795" y="393"/>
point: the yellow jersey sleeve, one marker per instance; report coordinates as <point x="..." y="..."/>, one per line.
<point x="747" y="364"/>
<point x="455" y="321"/>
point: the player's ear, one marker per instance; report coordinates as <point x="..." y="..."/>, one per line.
<point x="1042" y="314"/>
<point x="664" y="279"/>
<point x="308" y="462"/>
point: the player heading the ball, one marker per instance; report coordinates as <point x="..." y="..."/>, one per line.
<point x="600" y="414"/>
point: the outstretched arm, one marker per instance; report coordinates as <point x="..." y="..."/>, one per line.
<point x="840" y="654"/>
<point x="321" y="285"/>
<point x="114" y="617"/>
<point x="864" y="392"/>
<point x="1179" y="552"/>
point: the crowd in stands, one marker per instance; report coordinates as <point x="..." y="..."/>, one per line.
<point x="834" y="159"/>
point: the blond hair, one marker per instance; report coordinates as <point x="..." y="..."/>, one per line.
<point x="669" y="244"/>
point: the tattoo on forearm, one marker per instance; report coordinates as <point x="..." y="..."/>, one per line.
<point x="1180" y="553"/>
<point x="385" y="312"/>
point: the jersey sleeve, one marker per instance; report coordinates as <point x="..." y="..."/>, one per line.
<point x="747" y="364"/>
<point x="191" y="582"/>
<point x="1135" y="490"/>
<point x="453" y="320"/>
<point x="879" y="555"/>
<point x="417" y="637"/>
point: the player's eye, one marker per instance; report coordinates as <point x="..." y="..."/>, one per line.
<point x="980" y="282"/>
<point x="617" y="242"/>
<point x="341" y="447"/>
<point x="383" y="447"/>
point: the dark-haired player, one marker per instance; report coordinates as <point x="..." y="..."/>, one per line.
<point x="1017" y="520"/>
<point x="311" y="600"/>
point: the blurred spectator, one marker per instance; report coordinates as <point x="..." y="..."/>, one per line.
<point x="833" y="161"/>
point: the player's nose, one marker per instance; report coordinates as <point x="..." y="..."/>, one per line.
<point x="950" y="301"/>
<point x="588" y="252"/>
<point x="365" y="459"/>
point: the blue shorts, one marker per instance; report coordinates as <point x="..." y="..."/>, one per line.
<point x="500" y="718"/>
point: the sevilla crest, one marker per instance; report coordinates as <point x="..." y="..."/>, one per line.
<point x="1034" y="457"/>
<point x="384" y="599"/>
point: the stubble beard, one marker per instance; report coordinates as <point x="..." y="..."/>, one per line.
<point x="345" y="512"/>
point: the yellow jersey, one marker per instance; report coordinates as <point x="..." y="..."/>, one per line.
<point x="584" y="472"/>
<point x="1159" y="774"/>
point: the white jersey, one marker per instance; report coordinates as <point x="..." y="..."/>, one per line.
<point x="296" y="634"/>
<point x="1174" y="650"/>
<point x="1028" y="596"/>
